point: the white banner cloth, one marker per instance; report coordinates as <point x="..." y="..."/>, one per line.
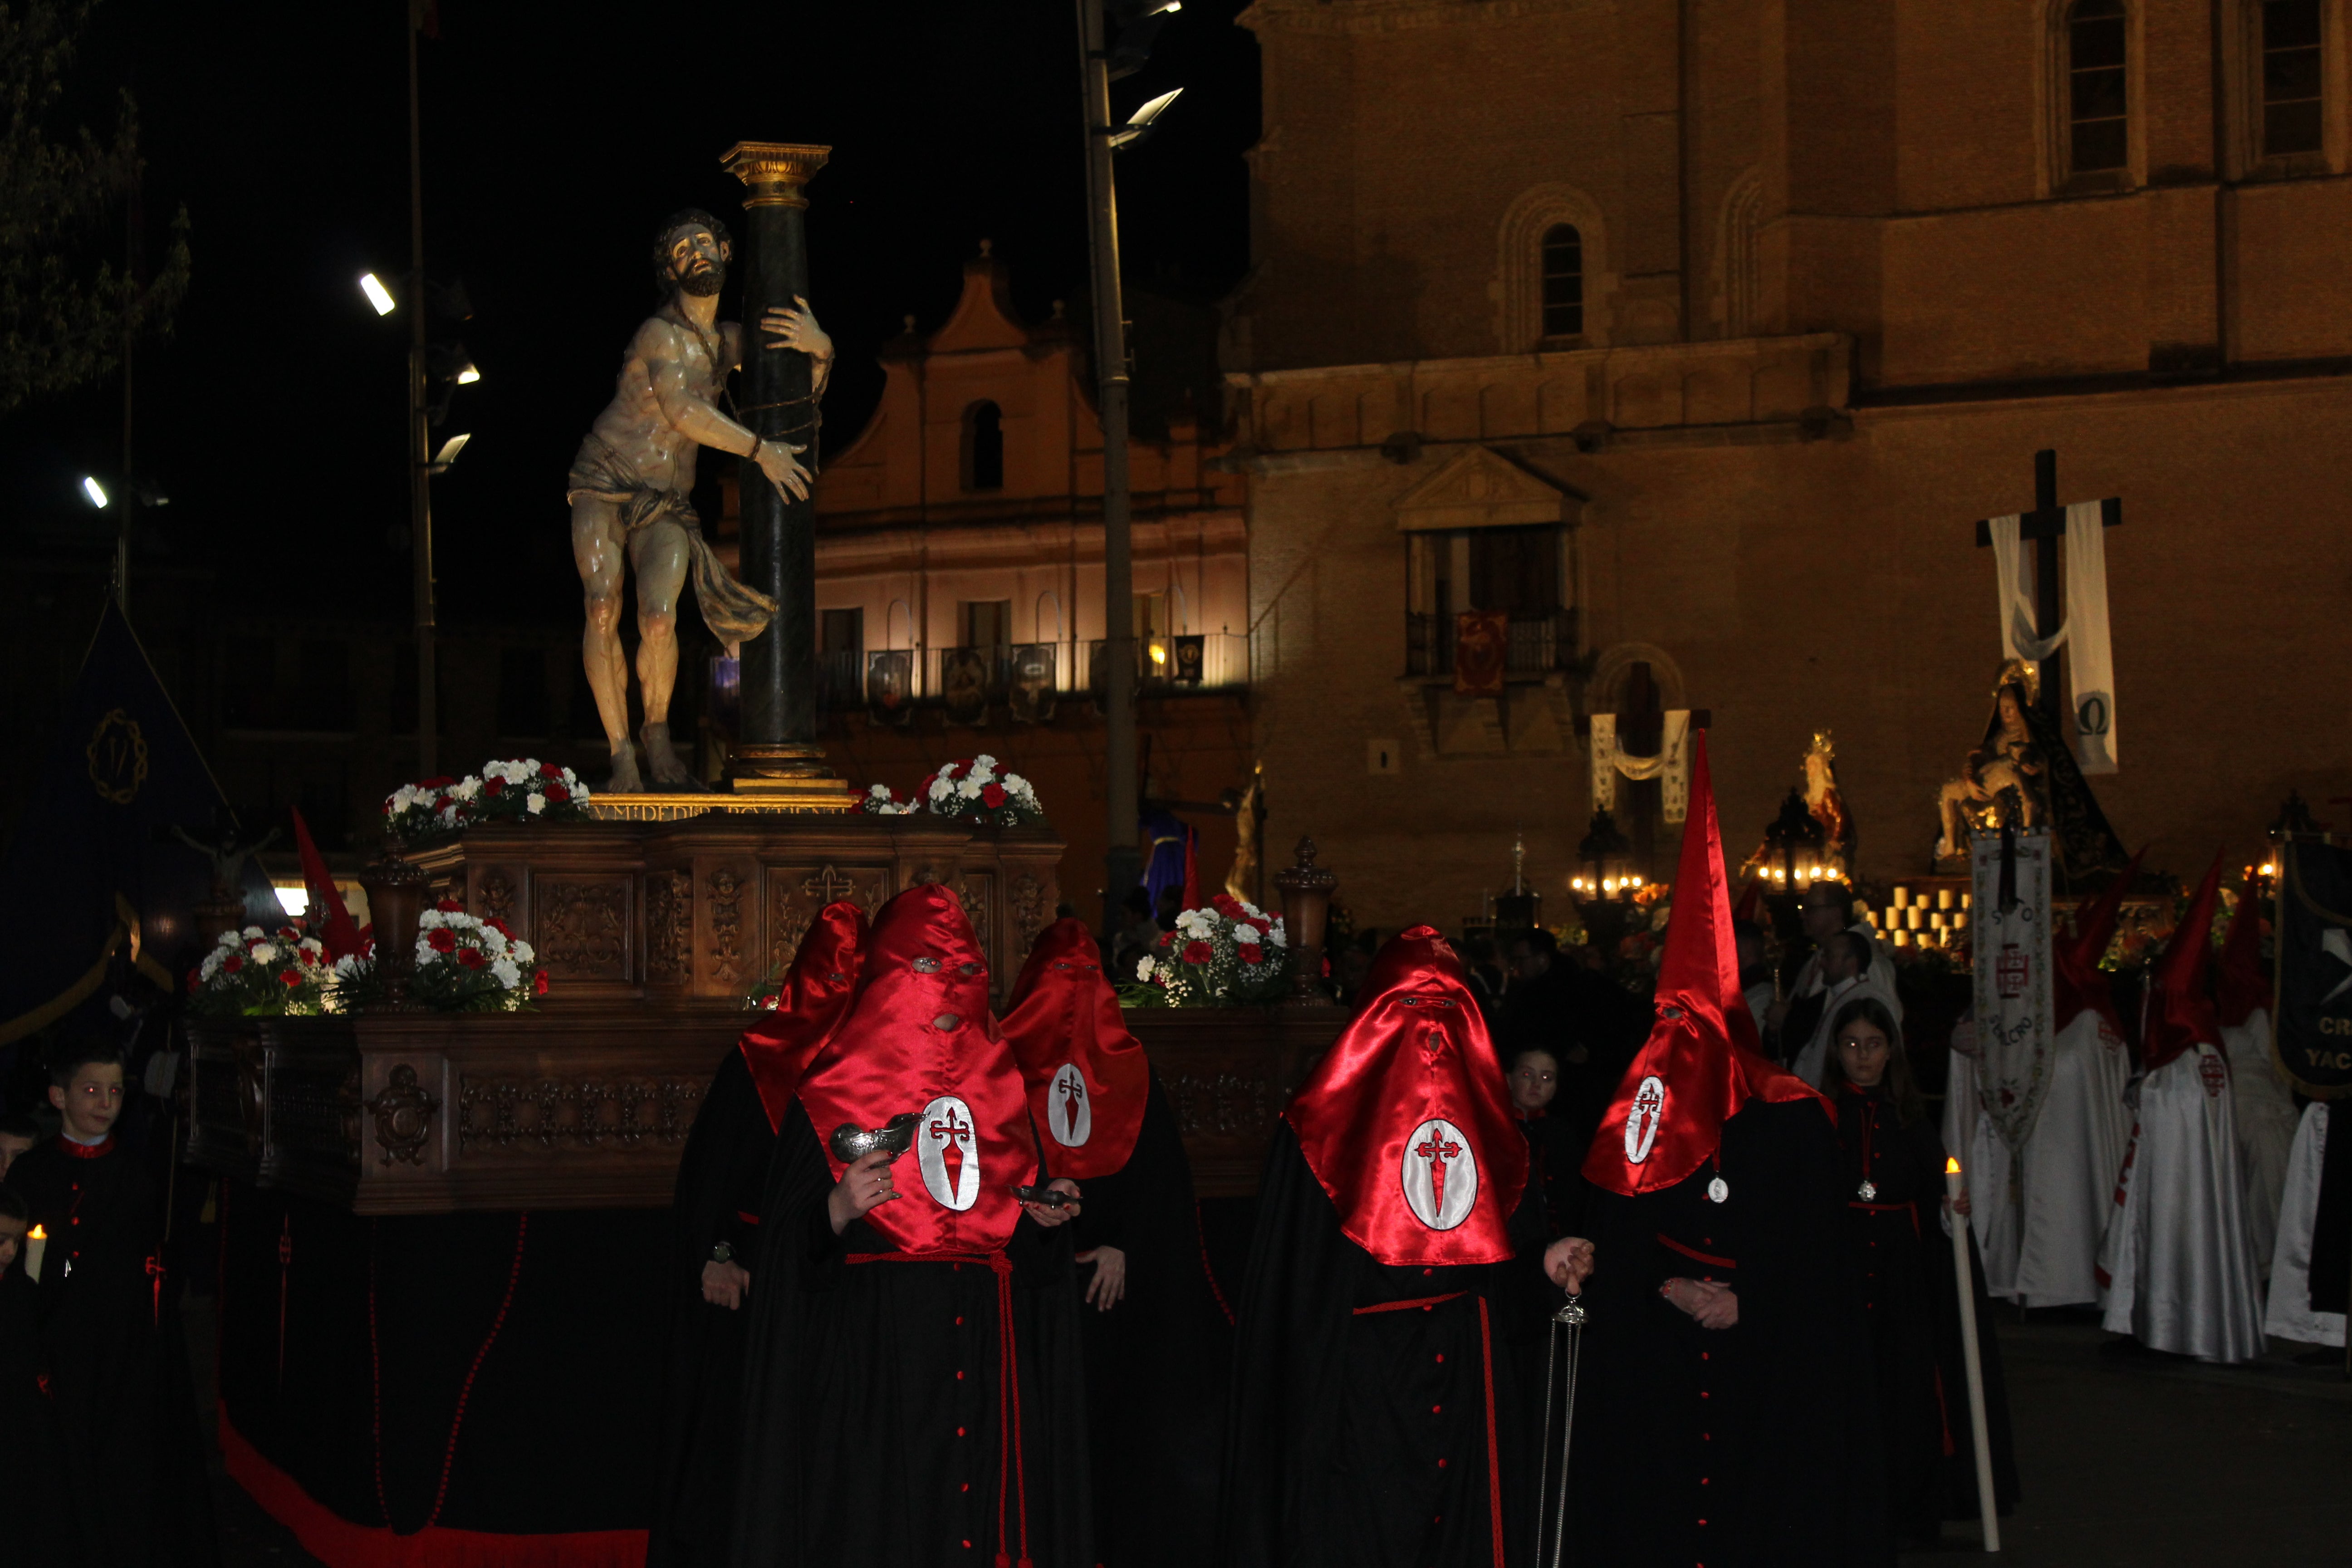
<point x="2090" y="668"/>
<point x="2013" y="1025"/>
<point x="1670" y="767"/>
<point x="2289" y="1315"/>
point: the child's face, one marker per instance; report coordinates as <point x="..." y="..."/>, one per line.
<point x="11" y="1145"/>
<point x="92" y="1101"/>
<point x="12" y="1241"/>
<point x="1535" y="1078"/>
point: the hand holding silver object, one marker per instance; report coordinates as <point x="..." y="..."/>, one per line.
<point x="1567" y="1324"/>
<point x="852" y="1143"/>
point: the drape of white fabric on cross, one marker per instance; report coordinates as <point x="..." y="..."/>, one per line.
<point x="2083" y="633"/>
<point x="1670" y="767"/>
<point x="2013" y="1001"/>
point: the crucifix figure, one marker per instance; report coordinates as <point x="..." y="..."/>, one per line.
<point x="1437" y="1153"/>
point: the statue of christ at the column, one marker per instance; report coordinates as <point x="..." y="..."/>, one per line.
<point x="629" y="488"/>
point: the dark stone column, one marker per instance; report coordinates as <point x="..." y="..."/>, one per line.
<point x="776" y="749"/>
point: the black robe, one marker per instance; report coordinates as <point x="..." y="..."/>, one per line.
<point x="1358" y="1437"/>
<point x="1751" y="1445"/>
<point x="720" y="1179"/>
<point x="2331" y="1226"/>
<point x="126" y="1419"/>
<point x="36" y="1532"/>
<point x="1591" y="1026"/>
<point x="1557" y="1141"/>
<point x="872" y="1392"/>
<point x="1157" y="1362"/>
<point x="1899" y="1265"/>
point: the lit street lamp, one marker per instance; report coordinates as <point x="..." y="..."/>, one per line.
<point x="95" y="491"/>
<point x="377" y="294"/>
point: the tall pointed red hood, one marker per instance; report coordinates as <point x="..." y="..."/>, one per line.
<point x="1088" y="1076"/>
<point x="2180" y="1014"/>
<point x="816" y="995"/>
<point x="1700" y="1063"/>
<point x="1405" y="1121"/>
<point x="2242" y="987"/>
<point x="919" y="1038"/>
<point x="2082" y="983"/>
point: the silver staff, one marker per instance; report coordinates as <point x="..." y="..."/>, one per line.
<point x="1570" y="1318"/>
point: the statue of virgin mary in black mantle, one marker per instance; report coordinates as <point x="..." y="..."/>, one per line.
<point x="1722" y="1419"/>
<point x="2025" y="775"/>
<point x="1158" y="1342"/>
<point x="1391" y="1320"/>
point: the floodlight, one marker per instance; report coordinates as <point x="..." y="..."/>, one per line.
<point x="1140" y="120"/>
<point x="467" y="376"/>
<point x="377" y="294"/>
<point x="95" y="491"/>
<point x="293" y="900"/>
<point x="450" y="450"/>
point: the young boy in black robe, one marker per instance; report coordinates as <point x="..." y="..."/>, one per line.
<point x="135" y="1482"/>
<point x="1382" y="1414"/>
<point x="1157" y="1343"/>
<point x="1721" y="1419"/>
<point x="715" y="1229"/>
<point x="913" y="1392"/>
<point x="1891" y="1167"/>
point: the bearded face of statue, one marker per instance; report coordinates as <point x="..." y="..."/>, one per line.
<point x="698" y="262"/>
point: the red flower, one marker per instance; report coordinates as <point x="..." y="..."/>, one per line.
<point x="440" y="940"/>
<point x="451" y="906"/>
<point x="494" y="786"/>
<point x="232" y="964"/>
<point x="1251" y="953"/>
<point x="442" y="781"/>
<point x="470" y="957"/>
<point x="550" y="771"/>
<point x="1197" y="952"/>
<point x="1227" y="905"/>
<point x="290" y="978"/>
<point x="195" y="978"/>
<point x="539" y="982"/>
<point x="556" y="793"/>
<point x="287" y="933"/>
<point x="959" y="769"/>
<point x="500" y="926"/>
<point x="992" y="796"/>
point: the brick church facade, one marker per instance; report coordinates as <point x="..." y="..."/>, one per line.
<point x="1696" y="336"/>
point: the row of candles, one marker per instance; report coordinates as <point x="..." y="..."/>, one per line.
<point x="1607" y="886"/>
<point x="1919" y="921"/>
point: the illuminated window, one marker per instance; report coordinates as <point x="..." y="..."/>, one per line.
<point x="1563" y="281"/>
<point x="2097" y="107"/>
<point x="2291" y="77"/>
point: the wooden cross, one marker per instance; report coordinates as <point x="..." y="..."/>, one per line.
<point x="1641" y="730"/>
<point x="829" y="886"/>
<point x="2045" y="525"/>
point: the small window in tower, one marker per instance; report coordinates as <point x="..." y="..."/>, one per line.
<point x="1563" y="281"/>
<point x="2096" y="106"/>
<point x="984" y="447"/>
<point x="2291" y="77"/>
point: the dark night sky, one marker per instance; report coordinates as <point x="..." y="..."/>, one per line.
<point x="555" y="139"/>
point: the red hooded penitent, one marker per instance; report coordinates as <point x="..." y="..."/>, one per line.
<point x="2081" y="982"/>
<point x="816" y="995"/>
<point x="2242" y="987"/>
<point x="1700" y="1065"/>
<point x="2181" y="1016"/>
<point x="919" y="1038"/>
<point x="1088" y="1078"/>
<point x="1405" y="1123"/>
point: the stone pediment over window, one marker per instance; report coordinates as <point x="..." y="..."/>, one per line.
<point x="1480" y="488"/>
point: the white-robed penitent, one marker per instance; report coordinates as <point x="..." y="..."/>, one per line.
<point x="2288" y="1314"/>
<point x="2177" y="1266"/>
<point x="2266" y="1113"/>
<point x="2041" y="1213"/>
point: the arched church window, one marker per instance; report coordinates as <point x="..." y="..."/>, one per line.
<point x="2098" y="105"/>
<point x="984" y="447"/>
<point x="1563" y="281"/>
<point x="2291" y="69"/>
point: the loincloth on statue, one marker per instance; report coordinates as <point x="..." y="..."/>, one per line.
<point x="733" y="612"/>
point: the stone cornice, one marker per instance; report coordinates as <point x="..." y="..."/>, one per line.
<point x="1395" y="16"/>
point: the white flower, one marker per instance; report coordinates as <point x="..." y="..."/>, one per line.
<point x="492" y="939"/>
<point x="969" y="789"/>
<point x="467" y="788"/>
<point x="579" y="791"/>
<point x="521" y="951"/>
<point x="1146" y="966"/>
<point x="941" y="788"/>
<point x="312" y="944"/>
<point x="431" y="920"/>
<point x="424" y="954"/>
<point x="538" y="802"/>
<point x="254" y="933"/>
<point x="877" y="792"/>
<point x="212" y="965"/>
<point x="1275" y="936"/>
<point x="347" y="966"/>
<point x="266" y="953"/>
<point x="507" y="974"/>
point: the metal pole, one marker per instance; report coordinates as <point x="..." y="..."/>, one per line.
<point x="128" y="497"/>
<point x="2047" y="609"/>
<point x="420" y="439"/>
<point x="1122" y="861"/>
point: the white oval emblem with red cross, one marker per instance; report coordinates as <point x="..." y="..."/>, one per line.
<point x="1642" y="1122"/>
<point x="1069" y="1108"/>
<point x="2214" y="1072"/>
<point x="1440" y="1174"/>
<point x="948" y="1150"/>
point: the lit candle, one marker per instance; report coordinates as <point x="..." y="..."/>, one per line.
<point x="1986" y="1502"/>
<point x="1967" y="900"/>
<point x="1911" y="917"/>
<point x="1902" y="936"/>
<point x="1943" y="898"/>
<point x="1960" y="920"/>
<point x="1935" y="920"/>
<point x="1902" y="896"/>
<point x="36" y="1242"/>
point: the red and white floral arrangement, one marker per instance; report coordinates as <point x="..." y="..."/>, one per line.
<point x="1230" y="955"/>
<point x="974" y="789"/>
<point x="463" y="964"/>
<point x="523" y="790"/>
<point x="257" y="974"/>
<point x="880" y="801"/>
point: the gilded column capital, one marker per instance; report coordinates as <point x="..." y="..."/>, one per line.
<point x="774" y="174"/>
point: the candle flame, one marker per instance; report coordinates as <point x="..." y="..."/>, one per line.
<point x="1951" y="1166"/>
<point x="36" y="1233"/>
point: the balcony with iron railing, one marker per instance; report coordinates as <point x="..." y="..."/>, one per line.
<point x="964" y="677"/>
<point x="1539" y="644"/>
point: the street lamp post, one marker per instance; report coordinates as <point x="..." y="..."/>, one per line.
<point x="420" y="443"/>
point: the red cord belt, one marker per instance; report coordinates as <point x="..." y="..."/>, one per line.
<point x="1486" y="1368"/>
<point x="1008" y="1374"/>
